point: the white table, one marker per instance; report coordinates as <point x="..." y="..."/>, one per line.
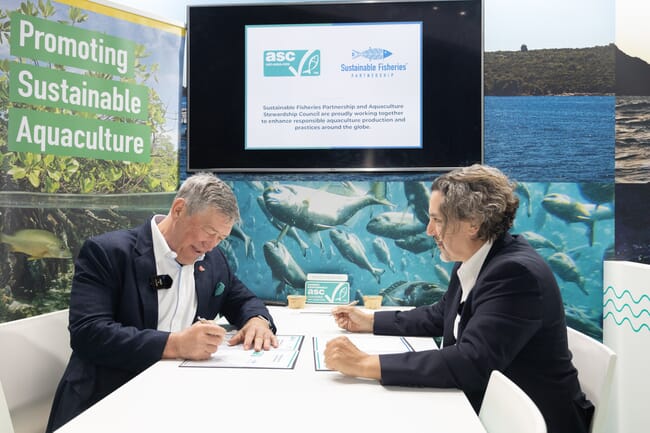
<point x="168" y="398"/>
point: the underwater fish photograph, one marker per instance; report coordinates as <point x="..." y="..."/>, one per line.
<point x="375" y="233"/>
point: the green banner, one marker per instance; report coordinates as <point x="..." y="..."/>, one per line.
<point x="57" y="134"/>
<point x="63" y="44"/>
<point x="60" y="89"/>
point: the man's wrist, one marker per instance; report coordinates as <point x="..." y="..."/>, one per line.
<point x="268" y="322"/>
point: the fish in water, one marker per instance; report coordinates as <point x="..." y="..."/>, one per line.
<point x="522" y="190"/>
<point x="442" y="274"/>
<point x="382" y="252"/>
<point x="313" y="210"/>
<point x="565" y="208"/>
<point x="597" y="193"/>
<point x="412" y="293"/>
<point x="417" y="197"/>
<point x="395" y="225"/>
<point x="352" y="249"/>
<point x="291" y="231"/>
<point x="37" y="244"/>
<point x="284" y="267"/>
<point x="417" y="244"/>
<point x="566" y="268"/>
<point x="572" y="211"/>
<point x="372" y="54"/>
<point x="226" y="247"/>
<point x="538" y="241"/>
<point x="579" y="319"/>
<point x="238" y="232"/>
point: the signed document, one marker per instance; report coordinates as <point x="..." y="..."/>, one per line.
<point x="282" y="357"/>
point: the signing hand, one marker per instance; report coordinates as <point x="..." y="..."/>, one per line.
<point x="197" y="342"/>
<point x="255" y="334"/>
<point x="342" y="355"/>
<point x="353" y="319"/>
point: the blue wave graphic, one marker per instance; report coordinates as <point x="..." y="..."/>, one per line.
<point x="626" y="293"/>
<point x="636" y="316"/>
<point x="643" y="325"/>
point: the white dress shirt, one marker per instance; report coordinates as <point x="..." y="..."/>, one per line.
<point x="176" y="305"/>
<point x="468" y="273"/>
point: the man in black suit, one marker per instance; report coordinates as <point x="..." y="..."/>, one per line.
<point x="502" y="310"/>
<point x="138" y="296"/>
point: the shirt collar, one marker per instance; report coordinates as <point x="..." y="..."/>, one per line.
<point x="469" y="270"/>
<point x="161" y="249"/>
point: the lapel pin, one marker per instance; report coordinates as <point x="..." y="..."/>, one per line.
<point x="201" y="268"/>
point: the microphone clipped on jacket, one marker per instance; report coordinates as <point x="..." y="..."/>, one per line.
<point x="160" y="281"/>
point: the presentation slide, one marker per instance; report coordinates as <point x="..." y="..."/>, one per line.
<point x="334" y="86"/>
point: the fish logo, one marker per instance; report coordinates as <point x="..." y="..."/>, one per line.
<point x="371" y="54"/>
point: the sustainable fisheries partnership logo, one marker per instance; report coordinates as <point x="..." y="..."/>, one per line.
<point x="372" y="64"/>
<point x="292" y="63"/>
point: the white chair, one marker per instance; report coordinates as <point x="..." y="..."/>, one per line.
<point x="5" y="418"/>
<point x="35" y="352"/>
<point x="595" y="363"/>
<point x="508" y="409"/>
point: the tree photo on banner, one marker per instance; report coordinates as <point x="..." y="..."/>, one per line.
<point x="89" y="125"/>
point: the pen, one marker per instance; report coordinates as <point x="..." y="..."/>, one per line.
<point x="350" y="304"/>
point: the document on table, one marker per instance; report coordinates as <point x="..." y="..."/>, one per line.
<point x="282" y="357"/>
<point x="372" y="344"/>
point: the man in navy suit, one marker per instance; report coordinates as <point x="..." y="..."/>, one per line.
<point x="139" y="296"/>
<point x="502" y="310"/>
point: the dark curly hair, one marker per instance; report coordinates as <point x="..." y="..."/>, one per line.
<point x="479" y="194"/>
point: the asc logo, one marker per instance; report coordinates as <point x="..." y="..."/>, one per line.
<point x="292" y="63"/>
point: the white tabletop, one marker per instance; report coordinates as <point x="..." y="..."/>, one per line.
<point x="168" y="398"/>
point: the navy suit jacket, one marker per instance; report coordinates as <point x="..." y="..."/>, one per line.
<point x="114" y="315"/>
<point x="512" y="321"/>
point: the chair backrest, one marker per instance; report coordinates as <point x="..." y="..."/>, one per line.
<point x="595" y="363"/>
<point x="506" y="408"/>
<point x="35" y="351"/>
<point x="5" y="417"/>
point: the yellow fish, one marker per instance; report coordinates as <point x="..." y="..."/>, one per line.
<point x="37" y="244"/>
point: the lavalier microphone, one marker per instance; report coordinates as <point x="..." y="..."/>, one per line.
<point x="160" y="281"/>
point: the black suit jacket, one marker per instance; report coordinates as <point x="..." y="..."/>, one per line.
<point x="512" y="321"/>
<point x="114" y="315"/>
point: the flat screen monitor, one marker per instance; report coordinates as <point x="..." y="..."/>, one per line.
<point x="335" y="86"/>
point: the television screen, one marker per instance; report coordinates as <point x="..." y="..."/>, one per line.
<point x="333" y="86"/>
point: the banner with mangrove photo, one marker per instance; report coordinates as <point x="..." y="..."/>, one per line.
<point x="90" y="99"/>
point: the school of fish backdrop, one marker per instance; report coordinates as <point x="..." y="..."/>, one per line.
<point x="375" y="232"/>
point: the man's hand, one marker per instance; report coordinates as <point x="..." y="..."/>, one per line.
<point x="197" y="342"/>
<point x="255" y="334"/>
<point x="353" y="319"/>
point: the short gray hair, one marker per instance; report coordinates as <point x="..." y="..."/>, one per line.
<point x="204" y="190"/>
<point x="481" y="194"/>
